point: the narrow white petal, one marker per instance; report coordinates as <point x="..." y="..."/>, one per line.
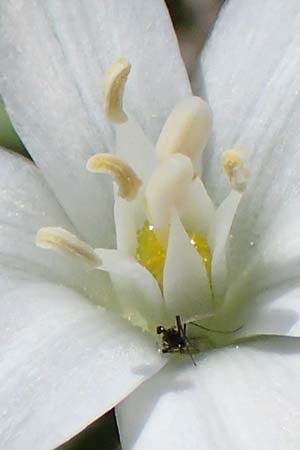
<point x="135" y="148"/>
<point x="53" y="56"/>
<point x="245" y="397"/>
<point x="125" y="226"/>
<point x="137" y="290"/>
<point x="197" y="212"/>
<point x="61" y="365"/>
<point x="219" y="239"/>
<point x="167" y="189"/>
<point x="185" y="282"/>
<point x="249" y="74"/>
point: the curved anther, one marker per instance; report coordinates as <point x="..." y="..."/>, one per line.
<point x="234" y="167"/>
<point x="56" y="238"/>
<point x="113" y="90"/>
<point x="186" y="130"/>
<point x="127" y="180"/>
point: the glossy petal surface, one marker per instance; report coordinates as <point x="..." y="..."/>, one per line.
<point x="236" y="398"/>
<point x="62" y="360"/>
<point x="27" y="204"/>
<point x="252" y="85"/>
<point x="249" y="74"/>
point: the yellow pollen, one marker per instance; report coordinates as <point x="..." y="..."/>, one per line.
<point x="151" y="254"/>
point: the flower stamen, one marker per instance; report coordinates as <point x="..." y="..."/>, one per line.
<point x="113" y="90"/>
<point x="167" y="187"/>
<point x="56" y="238"/>
<point x="235" y="170"/>
<point x="127" y="180"/>
<point x="186" y="130"/>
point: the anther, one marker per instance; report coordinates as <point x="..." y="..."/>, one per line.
<point x="186" y="130"/>
<point x="113" y="90"/>
<point x="56" y="238"/>
<point x="127" y="180"/>
<point x="235" y="170"/>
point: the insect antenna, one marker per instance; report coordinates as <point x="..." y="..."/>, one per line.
<point x="216" y="331"/>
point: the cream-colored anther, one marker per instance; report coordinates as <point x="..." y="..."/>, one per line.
<point x="167" y="187"/>
<point x="113" y="89"/>
<point x="56" y="238"/>
<point x="127" y="180"/>
<point x="235" y="170"/>
<point x="186" y="130"/>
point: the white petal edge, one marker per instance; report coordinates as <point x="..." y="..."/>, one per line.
<point x="274" y="312"/>
<point x="53" y="56"/>
<point x="236" y="398"/>
<point x="61" y="354"/>
<point x="185" y="281"/>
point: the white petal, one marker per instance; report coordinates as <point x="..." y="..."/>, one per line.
<point x="27" y="204"/>
<point x="259" y="111"/>
<point x="249" y="74"/>
<point x="265" y="246"/>
<point x="185" y="282"/>
<point x="137" y="290"/>
<point x="61" y="365"/>
<point x="53" y="55"/>
<point x="246" y="397"/>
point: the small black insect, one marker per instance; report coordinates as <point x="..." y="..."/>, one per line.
<point x="175" y="340"/>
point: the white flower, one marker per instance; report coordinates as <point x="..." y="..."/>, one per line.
<point x="65" y="359"/>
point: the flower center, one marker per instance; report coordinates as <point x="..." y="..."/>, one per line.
<point x="151" y="254"/>
<point x="156" y="271"/>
